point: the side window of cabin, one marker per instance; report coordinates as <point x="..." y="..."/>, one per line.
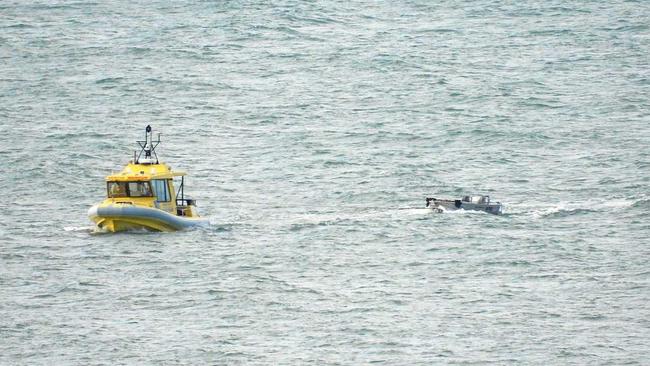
<point x="161" y="190"/>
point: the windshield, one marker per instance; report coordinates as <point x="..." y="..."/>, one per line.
<point x="129" y="189"/>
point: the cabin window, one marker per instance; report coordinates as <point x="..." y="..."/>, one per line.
<point x="117" y="189"/>
<point x="161" y="190"/>
<point x="129" y="189"/>
<point x="139" y="189"/>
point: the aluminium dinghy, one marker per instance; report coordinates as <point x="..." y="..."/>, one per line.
<point x="475" y="203"/>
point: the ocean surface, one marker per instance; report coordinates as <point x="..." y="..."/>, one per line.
<point x="312" y="131"/>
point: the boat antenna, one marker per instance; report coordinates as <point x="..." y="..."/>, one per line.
<point x="148" y="147"/>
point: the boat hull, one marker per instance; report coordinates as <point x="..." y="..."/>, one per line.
<point x="125" y="217"/>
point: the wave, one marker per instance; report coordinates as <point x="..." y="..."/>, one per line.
<point x="559" y="212"/>
<point x="79" y="228"/>
<point x="566" y="209"/>
<point x="642" y="203"/>
<point x="109" y="80"/>
<point x="20" y="26"/>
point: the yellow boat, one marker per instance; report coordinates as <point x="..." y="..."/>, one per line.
<point x="143" y="196"/>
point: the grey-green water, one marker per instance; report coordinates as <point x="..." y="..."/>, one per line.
<point x="312" y="132"/>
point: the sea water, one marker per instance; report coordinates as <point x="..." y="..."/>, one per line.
<point x="312" y="133"/>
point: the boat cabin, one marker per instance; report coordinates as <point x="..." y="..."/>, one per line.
<point x="483" y="200"/>
<point x="150" y="185"/>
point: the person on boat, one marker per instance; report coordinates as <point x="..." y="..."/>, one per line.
<point x="146" y="192"/>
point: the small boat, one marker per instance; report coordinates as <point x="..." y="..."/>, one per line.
<point x="476" y="203"/>
<point x="143" y="196"/>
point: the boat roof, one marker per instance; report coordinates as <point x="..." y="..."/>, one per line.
<point x="142" y="172"/>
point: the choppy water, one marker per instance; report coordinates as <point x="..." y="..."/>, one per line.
<point x="312" y="132"/>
